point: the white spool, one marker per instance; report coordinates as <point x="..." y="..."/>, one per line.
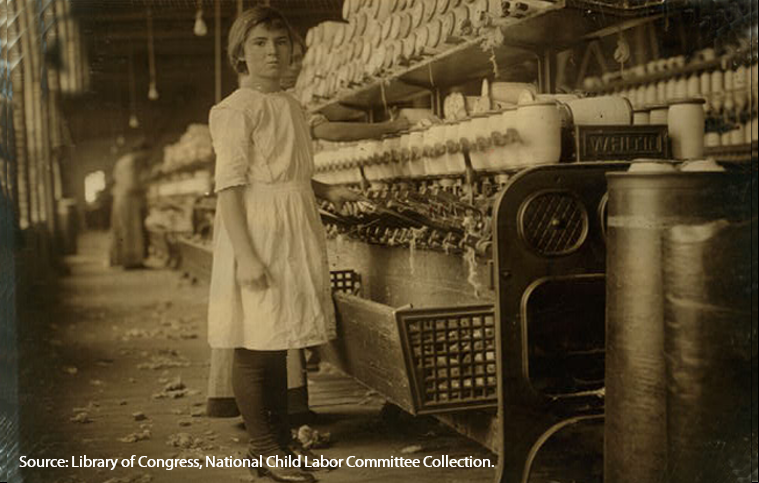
<point x="685" y="123"/>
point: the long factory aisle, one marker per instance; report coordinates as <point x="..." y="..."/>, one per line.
<point x="103" y="352"/>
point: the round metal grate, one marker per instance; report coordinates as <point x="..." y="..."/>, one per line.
<point x="553" y="223"/>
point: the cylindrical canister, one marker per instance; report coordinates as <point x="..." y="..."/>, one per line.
<point x="539" y="127"/>
<point x="641" y="206"/>
<point x="599" y="111"/>
<point x="685" y="123"/>
<point x="710" y="315"/>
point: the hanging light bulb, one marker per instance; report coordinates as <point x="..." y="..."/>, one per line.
<point x="152" y="92"/>
<point x="133" y="122"/>
<point x="200" y="26"/>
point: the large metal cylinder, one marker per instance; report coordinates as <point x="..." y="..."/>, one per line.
<point x="710" y="316"/>
<point x="641" y="206"/>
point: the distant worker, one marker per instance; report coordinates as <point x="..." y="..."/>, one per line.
<point x="128" y="245"/>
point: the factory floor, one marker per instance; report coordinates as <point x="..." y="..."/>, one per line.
<point x="98" y="349"/>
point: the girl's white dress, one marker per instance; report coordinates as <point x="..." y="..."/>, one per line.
<point x="262" y="141"/>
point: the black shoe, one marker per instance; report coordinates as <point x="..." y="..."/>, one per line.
<point x="287" y="475"/>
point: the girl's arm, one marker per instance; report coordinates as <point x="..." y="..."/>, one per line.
<point x="251" y="273"/>
<point x="354" y="131"/>
<point x="337" y="195"/>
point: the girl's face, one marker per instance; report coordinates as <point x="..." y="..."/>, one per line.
<point x="267" y="51"/>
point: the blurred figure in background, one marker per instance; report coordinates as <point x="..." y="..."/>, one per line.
<point x="128" y="245"/>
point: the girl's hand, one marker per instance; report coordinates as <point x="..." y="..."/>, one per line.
<point x="400" y="124"/>
<point x="338" y="195"/>
<point x="252" y="275"/>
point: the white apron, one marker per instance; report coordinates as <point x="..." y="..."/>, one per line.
<point x="262" y="142"/>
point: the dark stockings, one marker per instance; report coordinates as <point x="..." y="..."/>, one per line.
<point x="259" y="381"/>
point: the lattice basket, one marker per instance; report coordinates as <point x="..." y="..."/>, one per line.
<point x="345" y="281"/>
<point x="450" y="357"/>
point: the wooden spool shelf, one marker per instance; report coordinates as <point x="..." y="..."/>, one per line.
<point x="557" y="26"/>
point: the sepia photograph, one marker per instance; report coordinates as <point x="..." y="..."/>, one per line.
<point x="369" y="241"/>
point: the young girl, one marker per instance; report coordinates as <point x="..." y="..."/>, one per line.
<point x="270" y="288"/>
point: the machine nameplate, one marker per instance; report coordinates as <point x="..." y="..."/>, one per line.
<point x="604" y="143"/>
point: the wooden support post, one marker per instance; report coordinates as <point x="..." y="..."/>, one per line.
<point x="547" y="71"/>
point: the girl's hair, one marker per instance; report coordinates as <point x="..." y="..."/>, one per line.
<point x="298" y="40"/>
<point x="242" y="26"/>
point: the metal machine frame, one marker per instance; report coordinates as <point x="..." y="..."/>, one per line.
<point x="528" y="416"/>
